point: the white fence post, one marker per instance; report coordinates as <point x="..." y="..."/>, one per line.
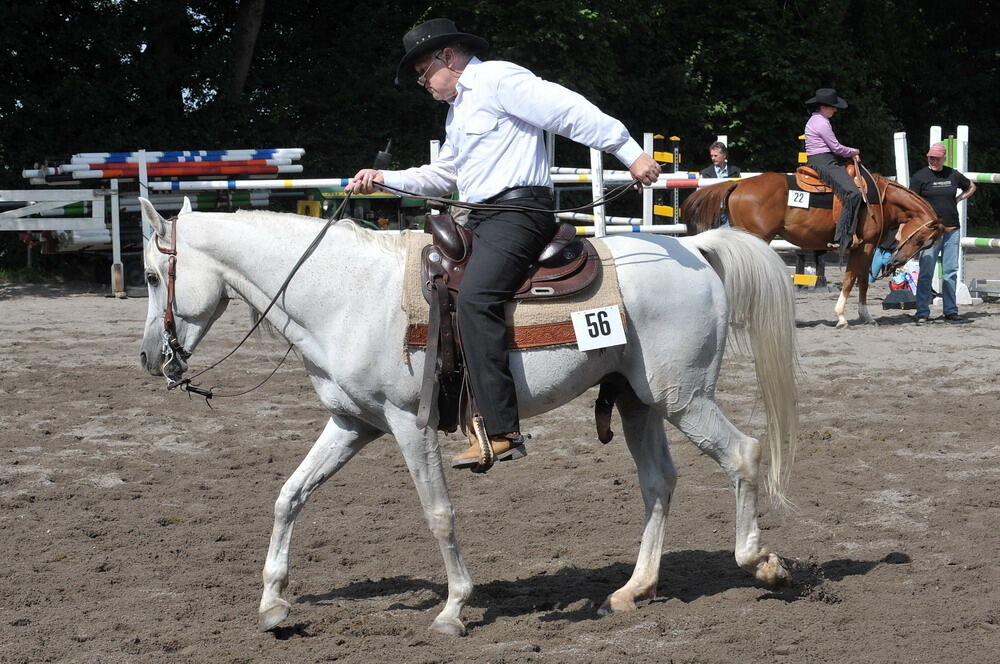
<point x="597" y="187"/>
<point x="647" y="192"/>
<point x="962" y="294"/>
<point x="902" y="158"/>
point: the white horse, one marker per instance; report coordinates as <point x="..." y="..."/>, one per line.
<point x="343" y="313"/>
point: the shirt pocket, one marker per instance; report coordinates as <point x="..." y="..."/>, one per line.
<point x="481" y="123"/>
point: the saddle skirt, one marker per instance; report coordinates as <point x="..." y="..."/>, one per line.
<point x="807" y="179"/>
<point x="532" y="322"/>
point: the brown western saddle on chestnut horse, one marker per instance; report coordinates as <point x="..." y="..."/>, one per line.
<point x="566" y="266"/>
<point x="807" y="179"/>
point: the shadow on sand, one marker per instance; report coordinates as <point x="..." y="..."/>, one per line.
<point x="685" y="576"/>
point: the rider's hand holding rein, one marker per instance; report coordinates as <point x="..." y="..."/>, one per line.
<point x="364" y="181"/>
<point x="645" y="169"/>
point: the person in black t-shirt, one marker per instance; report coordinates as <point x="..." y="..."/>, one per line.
<point x="939" y="184"/>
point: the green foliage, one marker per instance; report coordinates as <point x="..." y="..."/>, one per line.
<point x="96" y="75"/>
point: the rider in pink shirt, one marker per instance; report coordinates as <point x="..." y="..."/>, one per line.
<point x="825" y="153"/>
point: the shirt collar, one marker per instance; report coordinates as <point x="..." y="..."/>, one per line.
<point x="468" y="78"/>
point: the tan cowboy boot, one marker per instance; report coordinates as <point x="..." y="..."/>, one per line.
<point x="505" y="448"/>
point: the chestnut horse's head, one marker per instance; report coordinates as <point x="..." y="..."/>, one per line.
<point x="920" y="229"/>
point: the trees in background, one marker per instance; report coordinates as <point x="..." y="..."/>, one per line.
<point x="102" y="75"/>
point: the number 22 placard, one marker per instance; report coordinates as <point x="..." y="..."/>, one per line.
<point x="598" y="328"/>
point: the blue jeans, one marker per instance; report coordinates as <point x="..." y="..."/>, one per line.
<point x="879" y="259"/>
<point x="947" y="248"/>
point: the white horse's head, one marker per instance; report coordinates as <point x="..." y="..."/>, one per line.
<point x="183" y="301"/>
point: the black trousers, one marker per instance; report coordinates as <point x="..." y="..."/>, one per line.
<point x="830" y="170"/>
<point x="506" y="244"/>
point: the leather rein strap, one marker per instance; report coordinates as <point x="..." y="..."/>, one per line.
<point x="616" y="193"/>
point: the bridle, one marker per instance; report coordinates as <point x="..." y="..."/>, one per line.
<point x="919" y="228"/>
<point x="171" y="345"/>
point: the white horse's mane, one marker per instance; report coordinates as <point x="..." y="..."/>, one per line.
<point x="389" y="242"/>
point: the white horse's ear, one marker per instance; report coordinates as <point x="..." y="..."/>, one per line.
<point x="186" y="207"/>
<point x="153" y="218"/>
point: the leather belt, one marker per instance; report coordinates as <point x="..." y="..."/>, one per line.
<point x="521" y="192"/>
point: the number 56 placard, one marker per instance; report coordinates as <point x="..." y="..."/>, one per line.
<point x="598" y="328"/>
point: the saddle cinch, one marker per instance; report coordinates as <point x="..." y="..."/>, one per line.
<point x="566" y="266"/>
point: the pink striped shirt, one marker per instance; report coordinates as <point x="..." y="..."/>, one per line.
<point x="820" y="137"/>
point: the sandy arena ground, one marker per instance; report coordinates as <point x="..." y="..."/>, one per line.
<point x="135" y="521"/>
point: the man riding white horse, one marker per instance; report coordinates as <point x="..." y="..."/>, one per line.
<point x="495" y="152"/>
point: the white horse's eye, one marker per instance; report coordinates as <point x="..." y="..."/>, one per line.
<point x="152" y="279"/>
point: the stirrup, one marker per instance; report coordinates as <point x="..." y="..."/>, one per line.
<point x="487" y="456"/>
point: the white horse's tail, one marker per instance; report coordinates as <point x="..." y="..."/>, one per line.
<point x="762" y="308"/>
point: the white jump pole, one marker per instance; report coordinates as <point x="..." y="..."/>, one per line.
<point x="935" y="134"/>
<point x="902" y="158"/>
<point x="962" y="294"/>
<point x="647" y="192"/>
<point x="597" y="188"/>
<point x="117" y="268"/>
<point x="147" y="230"/>
<point x="435" y="153"/>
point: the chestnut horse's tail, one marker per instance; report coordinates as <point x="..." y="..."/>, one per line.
<point x="704" y="207"/>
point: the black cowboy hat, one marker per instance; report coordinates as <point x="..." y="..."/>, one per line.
<point x="826" y="97"/>
<point x="432" y="35"/>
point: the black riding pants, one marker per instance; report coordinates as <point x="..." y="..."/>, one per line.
<point x="506" y="244"/>
<point x="830" y="171"/>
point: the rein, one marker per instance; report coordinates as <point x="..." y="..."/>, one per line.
<point x="615" y="193"/>
<point x="918" y="229"/>
<point x="881" y="195"/>
<point x="172" y="346"/>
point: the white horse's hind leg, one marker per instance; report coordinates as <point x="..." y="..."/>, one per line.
<point x="340" y="440"/>
<point x="647" y="441"/>
<point x="739" y="455"/>
<point x="423" y="457"/>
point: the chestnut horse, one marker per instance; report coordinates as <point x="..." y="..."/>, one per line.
<point x="759" y="205"/>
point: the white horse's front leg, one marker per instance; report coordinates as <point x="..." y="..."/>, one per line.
<point x="647" y="441"/>
<point x="340" y="440"/>
<point x="423" y="458"/>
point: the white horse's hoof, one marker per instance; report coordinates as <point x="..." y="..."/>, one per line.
<point x="772" y="571"/>
<point x="841" y="324"/>
<point x="274" y="616"/>
<point x="616" y="605"/>
<point x="448" y="626"/>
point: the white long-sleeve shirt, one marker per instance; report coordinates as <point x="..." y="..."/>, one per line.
<point x="494" y="134"/>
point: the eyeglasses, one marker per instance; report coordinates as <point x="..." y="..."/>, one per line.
<point x="422" y="79"/>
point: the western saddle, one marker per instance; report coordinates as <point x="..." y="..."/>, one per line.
<point x="807" y="179"/>
<point x="566" y="266"/>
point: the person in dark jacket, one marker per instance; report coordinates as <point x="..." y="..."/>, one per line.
<point x="720" y="166"/>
